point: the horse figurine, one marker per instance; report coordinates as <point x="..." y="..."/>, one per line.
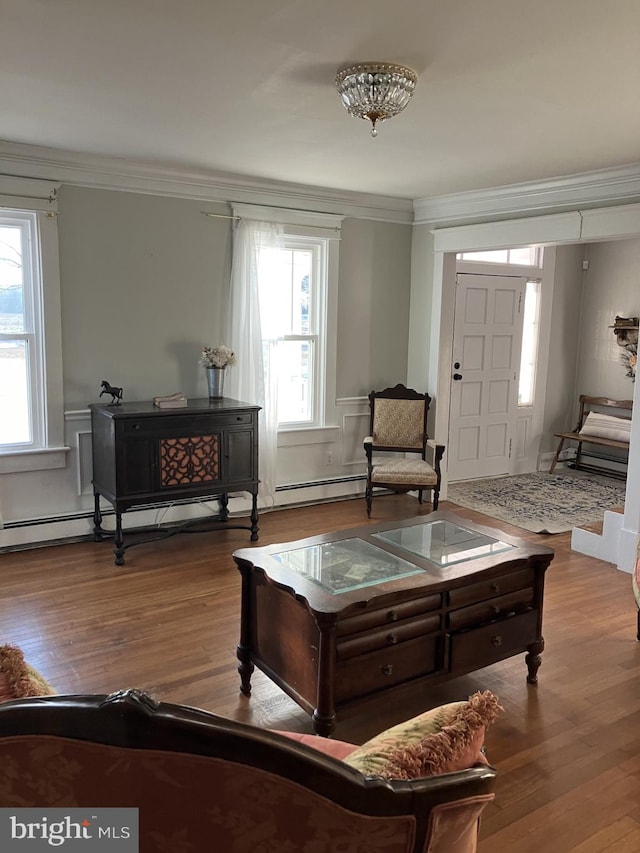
<point x="116" y="393"/>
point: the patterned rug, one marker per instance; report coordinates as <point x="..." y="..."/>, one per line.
<point x="541" y="502"/>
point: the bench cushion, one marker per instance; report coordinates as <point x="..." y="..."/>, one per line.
<point x="606" y="426"/>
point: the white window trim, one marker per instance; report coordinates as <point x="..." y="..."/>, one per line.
<point x="39" y="197"/>
<point x="304" y="223"/>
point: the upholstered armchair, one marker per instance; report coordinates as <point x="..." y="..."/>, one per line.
<point x="200" y="782"/>
<point x="398" y="425"/>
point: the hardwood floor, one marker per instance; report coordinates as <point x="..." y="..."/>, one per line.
<point x="567" y="751"/>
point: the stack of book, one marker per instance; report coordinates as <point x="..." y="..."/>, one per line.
<point x="171" y="401"/>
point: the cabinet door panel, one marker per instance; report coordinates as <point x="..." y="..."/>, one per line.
<point x="136" y="467"/>
<point x="240" y="457"/>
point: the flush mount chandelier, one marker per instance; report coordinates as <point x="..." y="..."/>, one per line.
<point x="375" y="91"/>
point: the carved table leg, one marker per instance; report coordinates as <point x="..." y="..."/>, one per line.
<point x="243" y="650"/>
<point x="118" y="541"/>
<point x="324" y="716"/>
<point x="533" y="660"/>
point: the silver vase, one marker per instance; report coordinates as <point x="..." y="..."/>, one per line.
<point x="215" y="382"/>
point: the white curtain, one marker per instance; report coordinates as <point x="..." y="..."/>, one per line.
<point x="252" y="379"/>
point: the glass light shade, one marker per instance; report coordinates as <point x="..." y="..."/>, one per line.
<point x="375" y="91"/>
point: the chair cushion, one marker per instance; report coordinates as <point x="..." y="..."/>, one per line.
<point x="442" y="740"/>
<point x="19" y="680"/>
<point x="606" y="426"/>
<point x="409" y="471"/>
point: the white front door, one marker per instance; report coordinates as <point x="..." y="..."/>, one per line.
<point x="487" y="340"/>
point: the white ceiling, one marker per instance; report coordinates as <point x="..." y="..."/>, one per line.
<point x="508" y="90"/>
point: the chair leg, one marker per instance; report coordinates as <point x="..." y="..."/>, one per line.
<point x="368" y="496"/>
<point x="555" y="458"/>
<point x="436" y="499"/>
<point x="419" y="496"/>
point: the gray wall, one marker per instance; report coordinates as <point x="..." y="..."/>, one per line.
<point x="144" y="281"/>
<point x="373" y="306"/>
<point x="612" y="286"/>
<point x="143" y="284"/>
<point x="560" y="391"/>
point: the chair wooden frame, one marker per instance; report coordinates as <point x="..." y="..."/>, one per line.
<point x="422" y="444"/>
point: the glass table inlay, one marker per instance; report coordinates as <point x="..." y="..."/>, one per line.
<point x="346" y="565"/>
<point x="443" y="543"/>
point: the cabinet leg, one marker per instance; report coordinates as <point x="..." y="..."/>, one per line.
<point x="254" y="518"/>
<point x="118" y="541"/>
<point x="533" y="659"/>
<point x="97" y="519"/>
<point x="224" y="507"/>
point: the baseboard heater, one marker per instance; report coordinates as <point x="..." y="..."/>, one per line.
<point x="108" y="510"/>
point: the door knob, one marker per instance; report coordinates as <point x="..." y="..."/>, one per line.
<point x="457" y="377"/>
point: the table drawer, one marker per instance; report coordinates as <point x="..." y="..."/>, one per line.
<point x="491" y="587"/>
<point x="380" y="638"/>
<point x="489" y="611"/>
<point x="369" y="673"/>
<point x="387" y="615"/>
<point x="480" y="647"/>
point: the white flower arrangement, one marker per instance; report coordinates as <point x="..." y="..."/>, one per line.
<point x="220" y="356"/>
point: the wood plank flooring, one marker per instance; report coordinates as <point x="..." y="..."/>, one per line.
<point x="567" y="751"/>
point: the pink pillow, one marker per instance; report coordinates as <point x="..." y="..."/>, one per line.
<point x="336" y="748"/>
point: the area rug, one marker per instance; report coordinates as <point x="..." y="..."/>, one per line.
<point x="541" y="502"/>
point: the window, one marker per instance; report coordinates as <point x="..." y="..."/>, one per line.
<point x="293" y="286"/>
<point x="298" y="286"/>
<point x="32" y="423"/>
<point x="528" y="256"/>
<point x="20" y="332"/>
<point x="529" y="351"/>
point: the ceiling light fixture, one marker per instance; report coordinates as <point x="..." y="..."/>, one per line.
<point x="375" y="91"/>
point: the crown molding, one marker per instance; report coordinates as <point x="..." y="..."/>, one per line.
<point x="555" y="195"/>
<point x="113" y="173"/>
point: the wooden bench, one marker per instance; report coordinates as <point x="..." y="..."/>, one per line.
<point x="599" y="406"/>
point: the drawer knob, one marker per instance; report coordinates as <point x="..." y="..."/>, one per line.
<point x="495" y="587"/>
<point x="136" y="426"/>
<point x="387" y="669"/>
<point x="392" y="616"/>
<point x="496" y="641"/>
<point x="393" y="639"/>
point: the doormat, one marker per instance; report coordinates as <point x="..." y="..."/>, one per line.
<point x="541" y="502"/>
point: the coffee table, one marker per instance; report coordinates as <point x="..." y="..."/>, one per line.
<point x="333" y="619"/>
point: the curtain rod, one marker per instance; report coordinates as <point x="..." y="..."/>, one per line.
<point x="290" y="224"/>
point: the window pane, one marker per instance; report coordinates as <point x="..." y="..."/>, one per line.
<point x="15" y="426"/>
<point x="495" y="256"/>
<point x="524" y="257"/>
<point x="528" y="355"/>
<point x="294" y="387"/>
<point x="11" y="281"/>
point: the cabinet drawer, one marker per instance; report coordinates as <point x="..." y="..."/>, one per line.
<point x="487" y="611"/>
<point x="398" y="632"/>
<point x="480" y="647"/>
<point x="378" y="670"/>
<point x="387" y="615"/>
<point x="491" y="588"/>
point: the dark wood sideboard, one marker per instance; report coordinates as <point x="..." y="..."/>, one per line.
<point x="143" y="455"/>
